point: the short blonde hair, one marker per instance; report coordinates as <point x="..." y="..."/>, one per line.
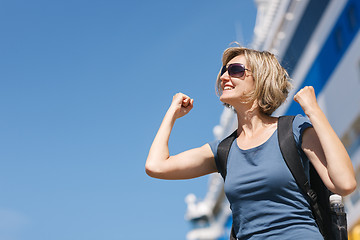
<point x="272" y="82"/>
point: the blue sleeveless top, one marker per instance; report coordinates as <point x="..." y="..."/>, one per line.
<point x="265" y="200"/>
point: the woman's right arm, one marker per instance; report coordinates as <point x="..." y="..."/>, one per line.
<point x="189" y="164"/>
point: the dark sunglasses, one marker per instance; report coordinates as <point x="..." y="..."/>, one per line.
<point x="234" y="70"/>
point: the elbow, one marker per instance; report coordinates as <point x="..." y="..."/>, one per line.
<point x="351" y="188"/>
<point x="149" y="170"/>
<point x="348" y="188"/>
<point x="152" y="170"/>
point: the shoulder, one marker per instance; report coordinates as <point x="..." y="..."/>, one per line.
<point x="224" y="143"/>
<point x="214" y="145"/>
<point x="300" y="124"/>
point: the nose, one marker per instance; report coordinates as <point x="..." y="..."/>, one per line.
<point x="225" y="77"/>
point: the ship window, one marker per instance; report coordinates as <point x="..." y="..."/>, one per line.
<point x="339" y="38"/>
<point x="352" y="18"/>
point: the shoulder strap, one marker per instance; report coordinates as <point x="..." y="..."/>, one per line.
<point x="221" y="163"/>
<point x="289" y="151"/>
<point x="291" y="156"/>
<point x="223" y="153"/>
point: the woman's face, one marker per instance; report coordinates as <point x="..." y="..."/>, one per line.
<point x="236" y="88"/>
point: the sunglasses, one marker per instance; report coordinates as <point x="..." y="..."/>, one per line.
<point x="234" y="70"/>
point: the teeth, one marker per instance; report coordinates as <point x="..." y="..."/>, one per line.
<point x="227" y="88"/>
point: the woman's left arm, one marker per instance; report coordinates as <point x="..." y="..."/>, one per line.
<point x="323" y="147"/>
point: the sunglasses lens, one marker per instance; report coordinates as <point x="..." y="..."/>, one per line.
<point x="236" y="70"/>
<point x="223" y="70"/>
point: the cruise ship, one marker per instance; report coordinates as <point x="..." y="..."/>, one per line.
<point x="318" y="42"/>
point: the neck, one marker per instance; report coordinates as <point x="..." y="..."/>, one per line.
<point x="252" y="120"/>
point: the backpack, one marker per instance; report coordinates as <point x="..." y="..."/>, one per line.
<point x="332" y="226"/>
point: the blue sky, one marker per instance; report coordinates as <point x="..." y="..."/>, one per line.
<point x="83" y="88"/>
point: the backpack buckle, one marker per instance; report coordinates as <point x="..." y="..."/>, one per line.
<point x="312" y="195"/>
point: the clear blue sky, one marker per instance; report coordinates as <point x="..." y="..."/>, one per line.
<point x="83" y="88"/>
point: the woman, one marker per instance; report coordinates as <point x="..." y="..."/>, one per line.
<point x="265" y="200"/>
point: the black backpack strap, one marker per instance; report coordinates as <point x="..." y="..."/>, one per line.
<point x="221" y="163"/>
<point x="291" y="156"/>
<point x="223" y="153"/>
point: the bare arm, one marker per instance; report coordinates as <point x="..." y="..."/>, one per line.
<point x="189" y="164"/>
<point x="323" y="147"/>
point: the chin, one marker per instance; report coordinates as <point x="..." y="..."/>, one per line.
<point x="225" y="100"/>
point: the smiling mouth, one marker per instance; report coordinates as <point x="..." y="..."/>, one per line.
<point x="228" y="88"/>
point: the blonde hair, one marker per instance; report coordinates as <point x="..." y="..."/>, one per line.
<point x="272" y="82"/>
